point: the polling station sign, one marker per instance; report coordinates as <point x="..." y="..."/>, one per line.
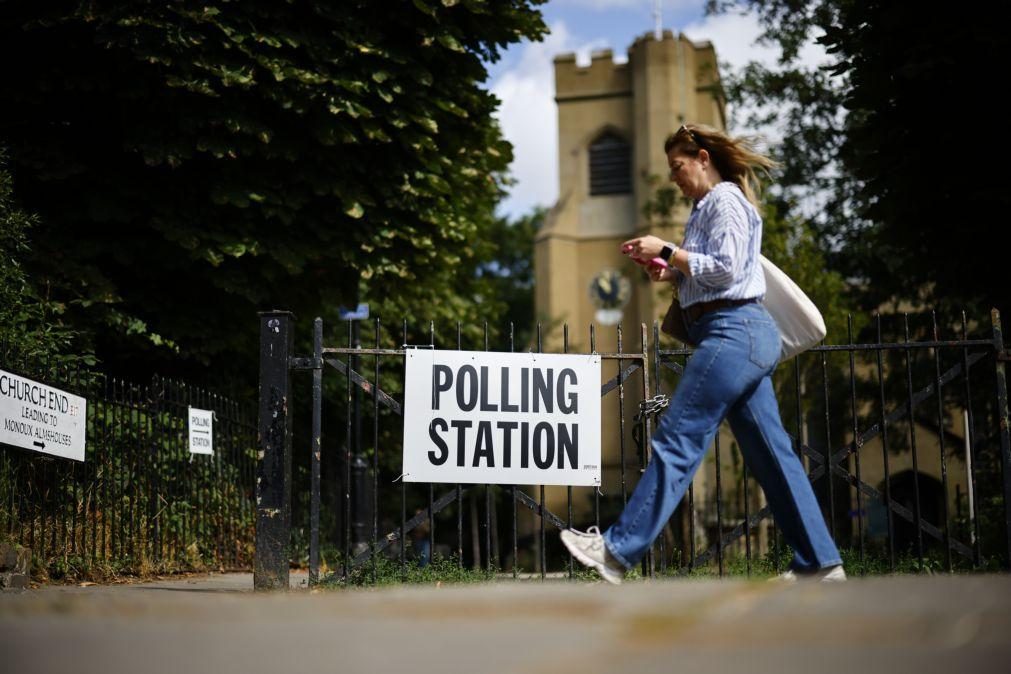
<point x="201" y="430"/>
<point x="41" y="418"/>
<point x="501" y="418"/>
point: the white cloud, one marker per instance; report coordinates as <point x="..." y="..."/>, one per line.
<point x="603" y="4"/>
<point x="644" y="5"/>
<point x="529" y="118"/>
<point x="735" y="38"/>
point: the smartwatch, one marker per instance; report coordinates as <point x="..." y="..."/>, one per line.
<point x="667" y="252"/>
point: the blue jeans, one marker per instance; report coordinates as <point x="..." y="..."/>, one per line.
<point x="728" y="376"/>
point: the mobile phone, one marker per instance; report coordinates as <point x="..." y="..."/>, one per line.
<point x="658" y="262"/>
<point x="627" y="250"/>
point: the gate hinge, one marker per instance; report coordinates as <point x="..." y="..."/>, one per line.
<point x="307" y="363"/>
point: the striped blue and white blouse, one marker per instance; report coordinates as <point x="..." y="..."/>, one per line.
<point x="723" y="238"/>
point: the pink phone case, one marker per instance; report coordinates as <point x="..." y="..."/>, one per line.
<point x="627" y="250"/>
<point x="655" y="262"/>
<point x="658" y="262"/>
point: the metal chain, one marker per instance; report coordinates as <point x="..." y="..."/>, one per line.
<point x="648" y="407"/>
<point x="652" y="406"/>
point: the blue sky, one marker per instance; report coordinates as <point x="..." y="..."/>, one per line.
<point x="524" y="78"/>
<point x="606" y="23"/>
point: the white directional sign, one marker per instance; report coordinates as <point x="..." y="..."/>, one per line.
<point x="41" y="418"/>
<point x="201" y="431"/>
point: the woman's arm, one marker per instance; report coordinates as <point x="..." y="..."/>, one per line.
<point x="728" y="232"/>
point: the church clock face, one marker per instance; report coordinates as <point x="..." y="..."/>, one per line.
<point x="609" y="292"/>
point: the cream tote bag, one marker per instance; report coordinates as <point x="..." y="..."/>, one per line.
<point x="798" y="319"/>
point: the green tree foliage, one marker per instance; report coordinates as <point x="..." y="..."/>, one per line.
<point x="880" y="132"/>
<point x="192" y="163"/>
<point x="30" y="326"/>
<point x="509" y="271"/>
<point x="492" y="283"/>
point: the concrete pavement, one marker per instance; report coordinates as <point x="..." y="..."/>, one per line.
<point x="216" y="624"/>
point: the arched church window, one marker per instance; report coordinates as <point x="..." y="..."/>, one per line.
<point x="610" y="166"/>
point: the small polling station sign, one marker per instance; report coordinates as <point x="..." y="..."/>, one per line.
<point x="501" y="418"/>
<point x="42" y="418"/>
<point x="201" y="423"/>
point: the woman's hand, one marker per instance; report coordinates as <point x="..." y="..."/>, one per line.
<point x="658" y="274"/>
<point x="644" y="247"/>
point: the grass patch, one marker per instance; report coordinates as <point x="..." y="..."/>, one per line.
<point x="391" y="572"/>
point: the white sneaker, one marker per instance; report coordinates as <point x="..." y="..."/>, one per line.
<point x="589" y="549"/>
<point x="832" y="574"/>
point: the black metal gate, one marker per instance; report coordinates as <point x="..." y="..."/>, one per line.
<point x="987" y="445"/>
<point x="277" y="363"/>
<point x="824" y="452"/>
<point x="139" y="501"/>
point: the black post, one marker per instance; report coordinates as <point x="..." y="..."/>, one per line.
<point x="316" y="449"/>
<point x="360" y="516"/>
<point x="154" y="440"/>
<point x="1005" y="435"/>
<point x="273" y="468"/>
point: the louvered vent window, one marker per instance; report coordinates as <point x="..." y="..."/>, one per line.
<point x="610" y="166"/>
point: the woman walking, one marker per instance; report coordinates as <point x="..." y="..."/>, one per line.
<point x="729" y="376"/>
